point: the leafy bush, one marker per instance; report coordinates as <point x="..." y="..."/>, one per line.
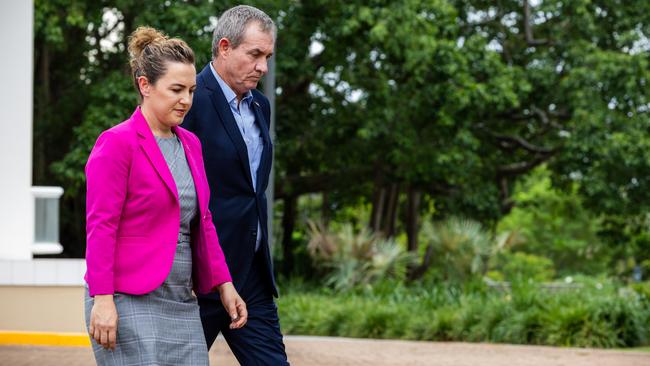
<point x="554" y="224"/>
<point x="463" y="250"/>
<point x="643" y="289"/>
<point x="460" y="248"/>
<point x="587" y="317"/>
<point x="519" y="266"/>
<point x="351" y="258"/>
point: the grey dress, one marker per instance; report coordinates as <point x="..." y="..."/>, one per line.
<point x="162" y="327"/>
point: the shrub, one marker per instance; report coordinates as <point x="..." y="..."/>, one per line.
<point x="643" y="289"/>
<point x="460" y="248"/>
<point x="584" y="317"/>
<point x="351" y="258"/>
<point x="555" y="224"/>
<point x="519" y="266"/>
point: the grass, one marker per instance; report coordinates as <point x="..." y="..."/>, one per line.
<point x="635" y="349"/>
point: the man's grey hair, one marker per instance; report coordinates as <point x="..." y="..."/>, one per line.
<point x="233" y="22"/>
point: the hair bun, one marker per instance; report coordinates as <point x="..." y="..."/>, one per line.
<point x="142" y="37"/>
<point x="150" y="50"/>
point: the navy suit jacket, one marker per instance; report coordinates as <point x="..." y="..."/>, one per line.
<point x="236" y="207"/>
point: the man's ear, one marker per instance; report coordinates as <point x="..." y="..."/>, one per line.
<point x="144" y="86"/>
<point x="224" y="46"/>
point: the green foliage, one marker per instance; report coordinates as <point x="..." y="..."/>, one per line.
<point x="586" y="317"/>
<point x="555" y="224"/>
<point x="351" y="258"/>
<point x="643" y="289"/>
<point x="629" y="238"/>
<point x="115" y="101"/>
<point x="82" y="84"/>
<point x="460" y="248"/>
<point x="446" y="96"/>
<point x="518" y="266"/>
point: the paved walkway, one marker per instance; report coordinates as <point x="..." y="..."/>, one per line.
<point x="325" y="351"/>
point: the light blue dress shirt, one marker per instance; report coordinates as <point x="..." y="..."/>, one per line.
<point x="250" y="132"/>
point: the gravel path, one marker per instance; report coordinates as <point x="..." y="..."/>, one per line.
<point x="325" y="351"/>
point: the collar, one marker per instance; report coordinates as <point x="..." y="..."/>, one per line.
<point x="227" y="91"/>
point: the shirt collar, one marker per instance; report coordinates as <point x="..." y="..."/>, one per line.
<point x="230" y="95"/>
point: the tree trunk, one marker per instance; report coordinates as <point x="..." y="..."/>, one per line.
<point x="390" y="214"/>
<point x="325" y="209"/>
<point x="504" y="194"/>
<point x="288" y="224"/>
<point x="41" y="117"/>
<point x="378" y="200"/>
<point x="413" y="218"/>
<point x="416" y="272"/>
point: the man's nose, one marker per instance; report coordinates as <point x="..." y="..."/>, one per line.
<point x="262" y="66"/>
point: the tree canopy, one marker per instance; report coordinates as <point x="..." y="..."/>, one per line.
<point x="417" y="106"/>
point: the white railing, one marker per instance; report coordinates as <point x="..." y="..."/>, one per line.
<point x="46" y="220"/>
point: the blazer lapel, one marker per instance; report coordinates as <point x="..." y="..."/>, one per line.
<point x="194" y="169"/>
<point x="223" y="109"/>
<point x="152" y="151"/>
<point x="266" y="138"/>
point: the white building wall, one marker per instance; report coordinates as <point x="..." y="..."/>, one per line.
<point x="16" y="202"/>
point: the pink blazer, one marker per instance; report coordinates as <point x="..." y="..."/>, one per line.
<point x="133" y="214"/>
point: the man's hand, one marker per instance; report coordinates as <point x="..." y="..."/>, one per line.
<point x="103" y="321"/>
<point x="233" y="304"/>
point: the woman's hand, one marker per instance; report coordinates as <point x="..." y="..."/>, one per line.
<point x="233" y="304"/>
<point x="103" y="321"/>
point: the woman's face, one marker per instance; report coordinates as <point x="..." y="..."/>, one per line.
<point x="170" y="98"/>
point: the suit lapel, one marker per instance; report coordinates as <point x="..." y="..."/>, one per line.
<point x="266" y="138"/>
<point x="261" y="121"/>
<point x="152" y="151"/>
<point x="228" y="120"/>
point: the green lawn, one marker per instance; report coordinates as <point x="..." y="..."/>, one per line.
<point x="637" y="349"/>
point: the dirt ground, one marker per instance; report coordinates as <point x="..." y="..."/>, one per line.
<point x="325" y="351"/>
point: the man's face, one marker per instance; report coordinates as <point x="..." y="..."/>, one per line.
<point x="243" y="67"/>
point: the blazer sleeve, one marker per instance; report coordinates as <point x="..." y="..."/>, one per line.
<point x="220" y="272"/>
<point x="107" y="172"/>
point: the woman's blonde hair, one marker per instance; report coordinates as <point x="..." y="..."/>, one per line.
<point x="150" y="49"/>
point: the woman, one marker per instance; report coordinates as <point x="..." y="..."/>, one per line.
<point x="150" y="237"/>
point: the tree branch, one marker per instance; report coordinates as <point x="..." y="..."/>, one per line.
<point x="296" y="185"/>
<point x="528" y="28"/>
<point x="301" y="86"/>
<point x="523" y="166"/>
<point x="524" y="144"/>
<point x="506" y="202"/>
<point x="417" y="271"/>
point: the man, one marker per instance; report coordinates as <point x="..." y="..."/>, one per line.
<point x="232" y="119"/>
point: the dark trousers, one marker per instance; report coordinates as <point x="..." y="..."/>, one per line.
<point x="259" y="342"/>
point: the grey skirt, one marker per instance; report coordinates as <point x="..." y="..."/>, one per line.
<point x="162" y="327"/>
